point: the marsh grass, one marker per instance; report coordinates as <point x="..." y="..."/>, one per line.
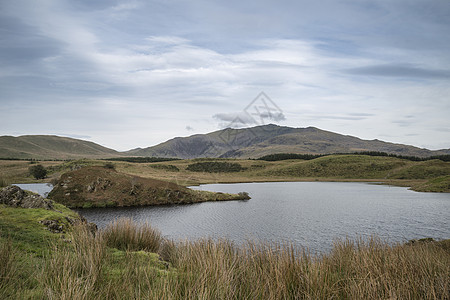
<point x="124" y="234"/>
<point x="112" y="264"/>
<point x="74" y="271"/>
<point x="7" y="263"/>
<point x="3" y="182"/>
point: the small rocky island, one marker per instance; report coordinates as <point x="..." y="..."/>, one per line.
<point x="105" y="187"/>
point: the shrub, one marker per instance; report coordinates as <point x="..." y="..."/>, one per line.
<point x="38" y="171"/>
<point x="171" y="168"/>
<point x="110" y="165"/>
<point x="215" y="167"/>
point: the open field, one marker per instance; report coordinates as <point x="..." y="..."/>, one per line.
<point x="432" y="175"/>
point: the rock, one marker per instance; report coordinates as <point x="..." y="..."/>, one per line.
<point x="11" y="196"/>
<point x="53" y="226"/>
<point x="16" y="197"/>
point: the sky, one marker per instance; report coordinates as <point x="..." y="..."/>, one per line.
<point x="128" y="74"/>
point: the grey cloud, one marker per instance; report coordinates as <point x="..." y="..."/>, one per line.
<point x="22" y="44"/>
<point x="331" y="117"/>
<point x="403" y="123"/>
<point x="399" y="70"/>
<point x="361" y="115"/>
<point x="189" y="128"/>
<point x="277" y="116"/>
<point x="235" y="119"/>
<point x="245" y="119"/>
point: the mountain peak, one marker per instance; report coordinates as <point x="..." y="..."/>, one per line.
<point x="254" y="142"/>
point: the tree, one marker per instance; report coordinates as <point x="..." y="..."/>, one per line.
<point x="38" y="171"/>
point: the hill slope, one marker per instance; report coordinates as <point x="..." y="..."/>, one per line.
<point x="268" y="139"/>
<point x="51" y="147"/>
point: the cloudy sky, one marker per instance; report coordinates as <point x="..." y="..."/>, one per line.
<point x="129" y="74"/>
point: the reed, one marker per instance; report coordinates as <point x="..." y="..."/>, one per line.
<point x="124" y="234"/>
<point x="115" y="264"/>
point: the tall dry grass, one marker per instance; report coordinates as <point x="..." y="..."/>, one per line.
<point x="8" y="264"/>
<point x="124" y="234"/>
<point x="207" y="269"/>
<point x="74" y="271"/>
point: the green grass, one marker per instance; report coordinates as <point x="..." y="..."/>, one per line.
<point x="340" y="166"/>
<point x="437" y="185"/>
<point x="23" y="227"/>
<point x="424" y="170"/>
<point x="116" y="264"/>
<point x="3" y="182"/>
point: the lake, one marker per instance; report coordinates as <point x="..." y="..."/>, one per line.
<point x="39" y="188"/>
<point x="309" y="214"/>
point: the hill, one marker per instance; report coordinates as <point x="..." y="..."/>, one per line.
<point x="258" y="141"/>
<point x="51" y="147"/>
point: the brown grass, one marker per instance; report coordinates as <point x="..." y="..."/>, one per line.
<point x="88" y="268"/>
<point x="124" y="234"/>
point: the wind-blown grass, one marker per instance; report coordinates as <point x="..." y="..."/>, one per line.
<point x="124" y="234"/>
<point x="111" y="265"/>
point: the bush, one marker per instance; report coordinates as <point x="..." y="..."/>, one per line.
<point x="215" y="167"/>
<point x="38" y="171"/>
<point x="109" y="165"/>
<point x="170" y="168"/>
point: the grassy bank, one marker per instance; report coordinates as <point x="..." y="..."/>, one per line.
<point x="126" y="261"/>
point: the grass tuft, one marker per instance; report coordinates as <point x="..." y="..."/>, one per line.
<point x="124" y="234"/>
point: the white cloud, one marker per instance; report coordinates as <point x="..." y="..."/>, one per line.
<point x="156" y="66"/>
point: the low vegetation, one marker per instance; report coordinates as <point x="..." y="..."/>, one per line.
<point x="439" y="184"/>
<point x="285" y="156"/>
<point x="129" y="261"/>
<point x="142" y="159"/>
<point x="170" y="168"/>
<point x="215" y="167"/>
<point x="341" y="166"/>
<point x="38" y="171"/>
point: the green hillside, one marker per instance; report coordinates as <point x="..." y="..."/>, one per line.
<point x="51" y="147"/>
<point x="359" y="167"/>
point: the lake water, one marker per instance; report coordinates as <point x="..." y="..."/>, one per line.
<point x="40" y="188"/>
<point x="309" y="214"/>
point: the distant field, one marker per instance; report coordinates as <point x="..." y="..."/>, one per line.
<point x="432" y="175"/>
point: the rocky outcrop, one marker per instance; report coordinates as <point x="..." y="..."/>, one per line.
<point x="16" y="197"/>
<point x="13" y="196"/>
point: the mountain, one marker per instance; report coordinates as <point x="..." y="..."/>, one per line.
<point x="51" y="147"/>
<point x="251" y="142"/>
<point x="258" y="141"/>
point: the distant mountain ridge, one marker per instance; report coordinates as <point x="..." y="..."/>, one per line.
<point x="51" y="147"/>
<point x="262" y="140"/>
<point x="252" y="142"/>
